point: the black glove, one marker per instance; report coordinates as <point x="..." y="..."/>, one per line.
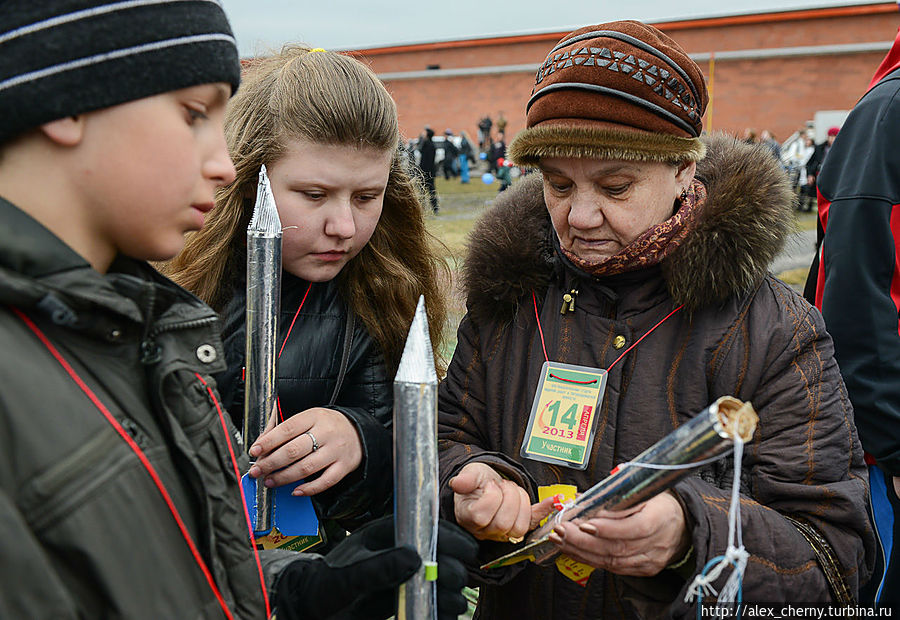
<point x="358" y="580"/>
<point x="456" y="549"/>
<point x="364" y="567"/>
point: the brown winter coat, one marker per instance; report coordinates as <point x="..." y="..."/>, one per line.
<point x="742" y="333"/>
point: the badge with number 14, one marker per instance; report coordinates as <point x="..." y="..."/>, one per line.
<point x="561" y="427"/>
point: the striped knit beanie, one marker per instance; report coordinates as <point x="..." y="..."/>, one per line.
<point x="620" y="90"/>
<point x="60" y="58"/>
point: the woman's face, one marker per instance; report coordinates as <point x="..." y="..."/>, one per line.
<point x="600" y="206"/>
<point x="329" y="198"/>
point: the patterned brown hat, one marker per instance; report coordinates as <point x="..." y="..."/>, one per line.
<point x="621" y="90"/>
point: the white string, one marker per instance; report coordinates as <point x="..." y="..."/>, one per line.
<point x="564" y="507"/>
<point x="433" y="547"/>
<point x="735" y="553"/>
<point x="683" y="466"/>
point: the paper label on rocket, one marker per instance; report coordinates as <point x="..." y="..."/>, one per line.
<point x="277" y="540"/>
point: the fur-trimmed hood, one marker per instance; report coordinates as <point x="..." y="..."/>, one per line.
<point x="741" y="227"/>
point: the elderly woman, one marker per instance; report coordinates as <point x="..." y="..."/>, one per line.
<point x="635" y="227"/>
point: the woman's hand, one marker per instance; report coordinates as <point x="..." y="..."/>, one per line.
<point x="639" y="542"/>
<point x="288" y="451"/>
<point x="493" y="508"/>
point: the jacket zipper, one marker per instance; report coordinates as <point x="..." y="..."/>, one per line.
<point x="150" y="353"/>
<point x="175" y="325"/>
<point x="568" y="303"/>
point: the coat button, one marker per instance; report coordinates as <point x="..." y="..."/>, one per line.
<point x="619" y="342"/>
<point x="206" y="353"/>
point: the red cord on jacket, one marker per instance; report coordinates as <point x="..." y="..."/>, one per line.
<point x="138" y="452"/>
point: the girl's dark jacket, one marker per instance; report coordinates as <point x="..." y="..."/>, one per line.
<point x="308" y="370"/>
<point x="742" y="332"/>
<point x="86" y="532"/>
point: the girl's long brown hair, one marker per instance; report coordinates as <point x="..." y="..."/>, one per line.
<point x="325" y="98"/>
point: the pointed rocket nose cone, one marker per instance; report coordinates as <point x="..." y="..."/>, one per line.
<point x="417" y="361"/>
<point x="265" y="214"/>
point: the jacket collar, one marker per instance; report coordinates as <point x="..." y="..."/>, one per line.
<point x="739" y="230"/>
<point x="31" y="249"/>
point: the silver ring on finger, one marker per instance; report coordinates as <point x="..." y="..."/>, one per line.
<point x="315" y="444"/>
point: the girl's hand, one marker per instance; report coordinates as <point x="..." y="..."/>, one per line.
<point x="639" y="542"/>
<point x="286" y="453"/>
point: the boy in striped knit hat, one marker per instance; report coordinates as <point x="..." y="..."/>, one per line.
<point x="118" y="472"/>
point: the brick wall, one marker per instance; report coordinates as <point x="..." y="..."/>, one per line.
<point x="458" y="103"/>
<point x="779" y="93"/>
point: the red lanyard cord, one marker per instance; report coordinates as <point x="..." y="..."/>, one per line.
<point x="591" y="382"/>
<point x="288" y="335"/>
<point x="237" y="476"/>
<point x="540" y="329"/>
<point x="636" y="342"/>
<point x="296" y="314"/>
<point x="135" y="448"/>
<point x="649" y="331"/>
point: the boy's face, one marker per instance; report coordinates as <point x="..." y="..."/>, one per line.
<point x="149" y="169"/>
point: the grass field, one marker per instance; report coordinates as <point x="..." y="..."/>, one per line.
<point x="806" y="221"/>
<point x="460" y="206"/>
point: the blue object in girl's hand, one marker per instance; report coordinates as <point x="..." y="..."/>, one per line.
<point x="292" y="515"/>
<point x="484" y="155"/>
<point x="487" y="178"/>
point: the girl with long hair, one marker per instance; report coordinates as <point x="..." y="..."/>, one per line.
<point x="356" y="257"/>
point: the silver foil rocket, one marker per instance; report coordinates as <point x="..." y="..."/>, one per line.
<point x="416" y="465"/>
<point x="707" y="435"/>
<point x="263" y="307"/>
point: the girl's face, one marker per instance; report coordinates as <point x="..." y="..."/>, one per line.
<point x="329" y="198"/>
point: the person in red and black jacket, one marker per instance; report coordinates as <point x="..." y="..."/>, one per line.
<point x="855" y="278"/>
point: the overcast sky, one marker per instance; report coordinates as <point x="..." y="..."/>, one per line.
<point x="261" y="25"/>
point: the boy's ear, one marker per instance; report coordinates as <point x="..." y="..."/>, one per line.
<point x="66" y="131"/>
